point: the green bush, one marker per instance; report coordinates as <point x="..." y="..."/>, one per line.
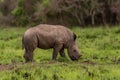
<point x="20" y="14"/>
<point x="18" y="11"/>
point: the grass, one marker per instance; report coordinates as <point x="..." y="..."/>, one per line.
<point x="100" y="48"/>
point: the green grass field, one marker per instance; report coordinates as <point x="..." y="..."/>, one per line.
<point x="100" y="48"/>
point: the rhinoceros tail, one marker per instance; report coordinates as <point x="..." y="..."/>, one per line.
<point x="23" y="43"/>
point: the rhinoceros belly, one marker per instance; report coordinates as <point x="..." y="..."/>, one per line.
<point x="45" y="41"/>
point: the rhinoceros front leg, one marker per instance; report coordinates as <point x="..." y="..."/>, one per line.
<point x="62" y="52"/>
<point x="56" y="49"/>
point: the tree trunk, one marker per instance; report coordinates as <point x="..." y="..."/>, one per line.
<point x="93" y="17"/>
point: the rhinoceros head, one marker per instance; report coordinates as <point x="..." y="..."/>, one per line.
<point x="73" y="50"/>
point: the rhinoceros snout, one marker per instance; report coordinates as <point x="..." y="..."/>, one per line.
<point x="73" y="58"/>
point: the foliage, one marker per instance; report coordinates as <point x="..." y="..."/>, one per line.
<point x="20" y="14"/>
<point x="100" y="48"/>
<point x="65" y="12"/>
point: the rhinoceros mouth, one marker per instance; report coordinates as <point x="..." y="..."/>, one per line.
<point x="74" y="58"/>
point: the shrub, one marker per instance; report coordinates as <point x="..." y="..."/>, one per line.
<point x="19" y="14"/>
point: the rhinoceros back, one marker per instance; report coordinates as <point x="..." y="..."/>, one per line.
<point x="46" y="36"/>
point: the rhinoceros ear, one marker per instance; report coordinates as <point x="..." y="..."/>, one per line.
<point x="74" y="36"/>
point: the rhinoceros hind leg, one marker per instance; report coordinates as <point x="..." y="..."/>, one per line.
<point x="28" y="55"/>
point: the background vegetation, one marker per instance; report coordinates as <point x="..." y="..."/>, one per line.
<point x="65" y="12"/>
<point x="100" y="48"/>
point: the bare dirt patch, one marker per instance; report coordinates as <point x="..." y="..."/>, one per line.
<point x="88" y="62"/>
<point x="5" y="67"/>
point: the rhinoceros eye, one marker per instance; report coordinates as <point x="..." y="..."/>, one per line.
<point x="74" y="50"/>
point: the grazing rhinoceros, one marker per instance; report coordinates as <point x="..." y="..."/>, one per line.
<point x="50" y="36"/>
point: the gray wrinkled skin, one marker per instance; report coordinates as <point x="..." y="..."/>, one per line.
<point x="50" y="36"/>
